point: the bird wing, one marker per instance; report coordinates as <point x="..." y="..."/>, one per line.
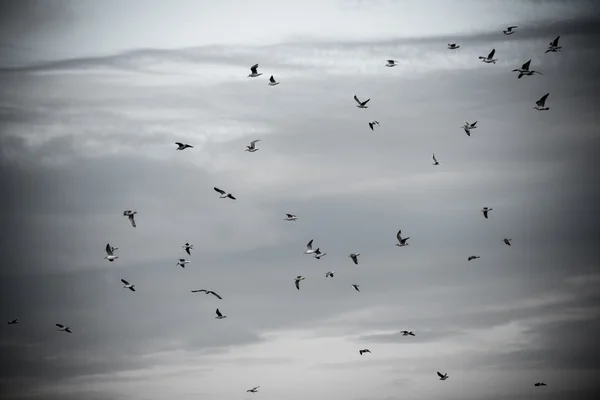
<point x="398" y="236"/>
<point x="219" y="190"/>
<point x="526" y="65"/>
<point x="214" y="294"/>
<point x="289" y="215"/>
<point x="555" y="42"/>
<point x="371" y="125"/>
<point x="252" y="143"/>
<point x="219" y="313"/>
<point x="542" y="101"/>
<point x="309" y="245"/>
<point x="491" y="55"/>
<point x="132" y="220"/>
<point x="60" y="325"/>
<point x="365" y="102"/>
<point x="353" y="257"/>
<point x="297" y="284"/>
<point x="434" y="159"/>
<point x="391" y="61"/>
<point x="272" y="79"/>
<point x="473" y="124"/>
<point x="132" y="289"/>
<point x="512" y="27"/>
<point x="109" y="249"/>
<point x="179" y="144"/>
<point x="357" y="100"/>
<point x="124" y="282"/>
<point x="254" y="68"/>
<point x="230" y="196"/>
<point x="439" y="374"/>
<point x="187" y="250"/>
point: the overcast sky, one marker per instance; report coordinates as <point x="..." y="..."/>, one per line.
<point x="93" y="95"/>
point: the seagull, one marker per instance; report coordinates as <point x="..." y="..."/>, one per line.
<point x="373" y="123"/>
<point x="361" y="352"/>
<point x="219" y="315"/>
<point x="391" y="63"/>
<point x="356" y="287"/>
<point x="207" y="292"/>
<point x="109" y="253"/>
<point x="354" y="257"/>
<point x="510" y="30"/>
<point x="297" y="281"/>
<point x="452" y="46"/>
<point x="224" y="195"/>
<point x="507" y="241"/>
<point x="272" y="81"/>
<point x="540" y="105"/>
<point x="62" y="328"/>
<point x="309" y="249"/>
<point x="442" y="377"/>
<point x="317" y="254"/>
<point x="490" y="58"/>
<point x="182" y="262"/>
<point x="290" y="217"/>
<point x="524" y="70"/>
<point x="183" y="146"/>
<point x="130" y="214"/>
<point x="540" y="384"/>
<point x="407" y="333"/>
<point x="435" y="161"/>
<point x="554" y="47"/>
<point x="329" y="274"/>
<point x="16" y="321"/>
<point x="252" y="146"/>
<point x="401" y="241"/>
<point x="254" y="70"/>
<point x="471" y="258"/>
<point x="253" y="390"/>
<point x="361" y="104"/>
<point x="187" y="247"/>
<point x="485" y="211"/>
<point x="127" y="285"/>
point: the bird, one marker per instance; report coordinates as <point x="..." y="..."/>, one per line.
<point x="391" y="63"/>
<point x="471" y="258"/>
<point x="510" y="30"/>
<point x="442" y="377"/>
<point x="207" y="292"/>
<point x="407" y="333"/>
<point x="253" y="390"/>
<point x="309" y="249"/>
<point x="62" y="328"/>
<point x="471" y="126"/>
<point x="435" y="161"/>
<point x="401" y="241"/>
<point x="554" y="47"/>
<point x="187" y="247"/>
<point x="219" y="315"/>
<point x="127" y="285"/>
<point x="290" y="217"/>
<point x="130" y="214"/>
<point x="16" y="321"/>
<point x="224" y="195"/>
<point x="317" y="254"/>
<point x="251" y="148"/>
<point x="507" y="241"/>
<point x="540" y="384"/>
<point x="485" y="211"/>
<point x="355" y="287"/>
<point x="363" y="351"/>
<point x="361" y="104"/>
<point x="372" y="124"/>
<point x="453" y="46"/>
<point x="109" y="253"/>
<point x="183" y="146"/>
<point x="182" y="262"/>
<point x="254" y="70"/>
<point x="490" y="58"/>
<point x="540" y="105"/>
<point x="525" y="71"/>
<point x="354" y="257"/>
<point x="272" y="81"/>
<point x="297" y="281"/>
<point x="329" y="274"/>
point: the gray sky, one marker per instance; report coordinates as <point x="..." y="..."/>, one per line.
<point x="93" y="96"/>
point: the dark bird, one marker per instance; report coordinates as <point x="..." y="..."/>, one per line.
<point x="401" y="241"/>
<point x="485" y="211"/>
<point x="219" y="315"/>
<point x="354" y="257"/>
<point x="540" y="384"/>
<point x="507" y="241"/>
<point x="554" y="47"/>
<point x="442" y="377"/>
<point x="361" y="352"/>
<point x="407" y="333"/>
<point x="540" y="105"/>
<point x="207" y="292"/>
<point x="473" y="258"/>
<point x="187" y="247"/>
<point x="224" y="194"/>
<point x="253" y="390"/>
<point x="62" y="328"/>
<point x="356" y="288"/>
<point x="297" y="281"/>
<point x="128" y="285"/>
<point x="13" y="322"/>
<point x="183" y="146"/>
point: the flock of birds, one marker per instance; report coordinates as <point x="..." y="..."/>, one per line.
<point x="524" y="70"/>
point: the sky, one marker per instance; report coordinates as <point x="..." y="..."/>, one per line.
<point x="93" y="97"/>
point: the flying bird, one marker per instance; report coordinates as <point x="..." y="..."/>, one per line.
<point x="510" y="30"/>
<point x="471" y="258"/>
<point x="355" y="287"/>
<point x="187" y="247"/>
<point x="219" y="315"/>
<point x="372" y="124"/>
<point x="329" y="274"/>
<point x="130" y="214"/>
<point x="224" y="194"/>
<point x="182" y="262"/>
<point x="435" y="161"/>
<point x="110" y="253"/>
<point x="407" y="333"/>
<point x="297" y="281"/>
<point x="354" y="257"/>
<point x="554" y="47"/>
<point x="16" y="321"/>
<point x="252" y="146"/>
<point x="254" y="70"/>
<point x="540" y="384"/>
<point x="391" y="63"/>
<point x="62" y="328"/>
<point x="309" y="249"/>
<point x="401" y="241"/>
<point x="183" y="146"/>
<point x="490" y="58"/>
<point x="442" y="377"/>
<point x="471" y="126"/>
<point x="485" y="211"/>
<point x="540" y="105"/>
<point x="363" y="351"/>
<point x="290" y="217"/>
<point x="253" y="390"/>
<point x="272" y="81"/>
<point x="127" y="285"/>
<point x="207" y="292"/>
<point x="453" y="46"/>
<point x="317" y="254"/>
<point x="361" y="104"/>
<point x="507" y="241"/>
<point x="525" y="71"/>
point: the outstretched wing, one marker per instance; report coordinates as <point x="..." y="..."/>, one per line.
<point x="219" y="190"/>
<point x="398" y="236"/>
<point x="272" y="79"/>
<point x="439" y="374"/>
<point x="109" y="249"/>
<point x="434" y="159"/>
<point x="214" y="294"/>
<point x="254" y="68"/>
<point x="365" y="102"/>
<point x="231" y="197"/>
<point x="124" y="282"/>
<point x="60" y="325"/>
<point x="297" y="284"/>
<point x="526" y="65"/>
<point x="555" y="42"/>
<point x="491" y="55"/>
<point x="357" y="100"/>
<point x="132" y="220"/>
<point x="541" y="102"/>
<point x="219" y="313"/>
